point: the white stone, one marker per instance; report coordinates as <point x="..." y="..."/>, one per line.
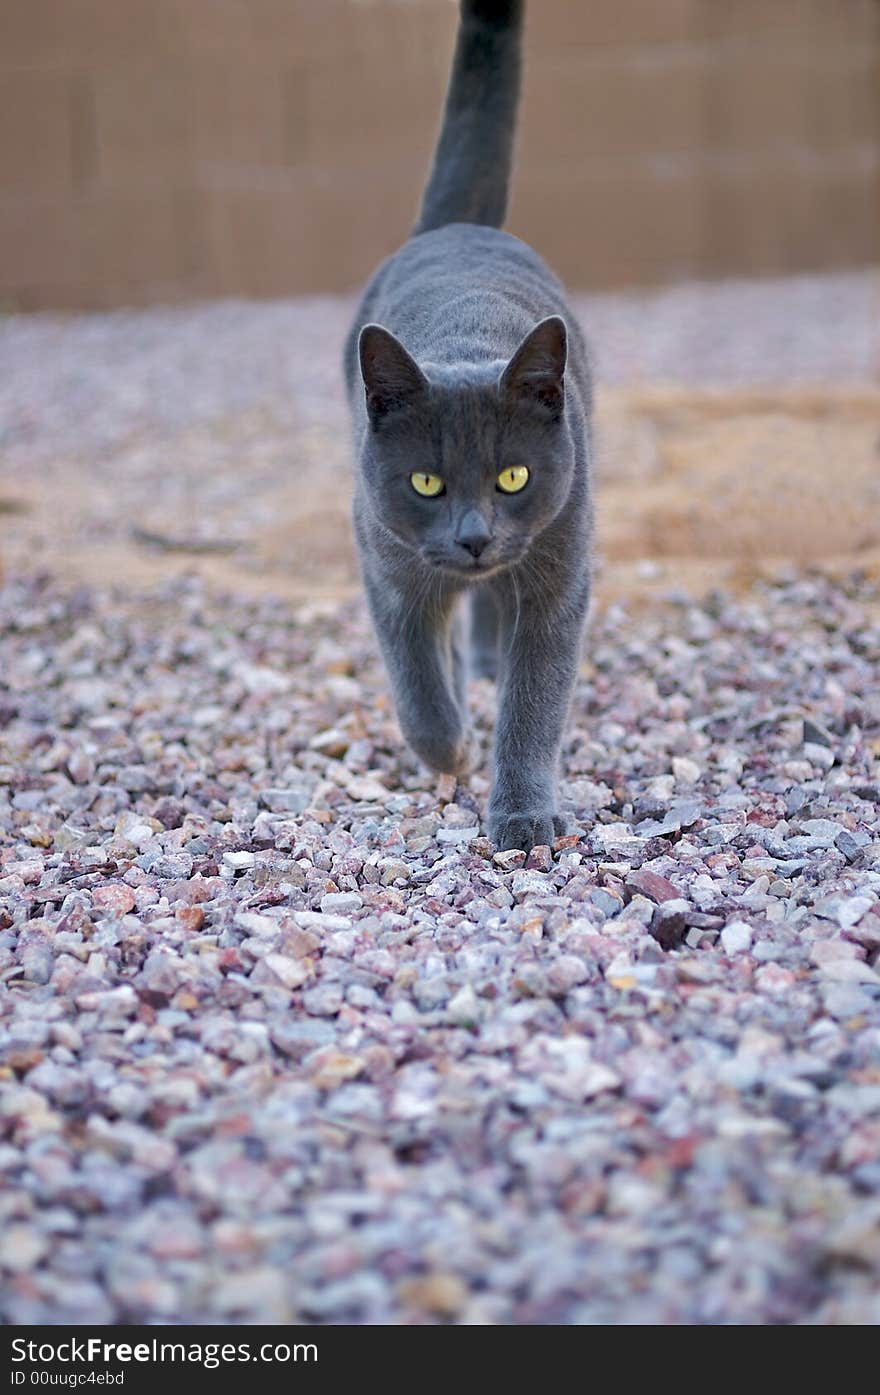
<point x="736" y="937"/>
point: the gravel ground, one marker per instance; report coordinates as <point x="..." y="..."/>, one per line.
<point x="283" y="1039"/>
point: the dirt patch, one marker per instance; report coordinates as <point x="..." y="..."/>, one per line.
<point x="696" y="484"/>
<point x="694" y="489"/>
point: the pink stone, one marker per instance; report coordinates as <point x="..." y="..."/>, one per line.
<point x="114" y="899"/>
<point x="652" y="885"/>
<point x="772" y="978"/>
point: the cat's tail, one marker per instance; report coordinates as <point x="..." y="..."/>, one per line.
<point x="469" y="178"/>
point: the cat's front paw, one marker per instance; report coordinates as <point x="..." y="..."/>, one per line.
<point x="525" y="830"/>
<point x="447" y="753"/>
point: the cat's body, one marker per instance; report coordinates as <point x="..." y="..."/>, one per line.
<point x="462" y="386"/>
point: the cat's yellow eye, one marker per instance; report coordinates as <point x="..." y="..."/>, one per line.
<point x="513" y="479"/>
<point x="429" y="486"/>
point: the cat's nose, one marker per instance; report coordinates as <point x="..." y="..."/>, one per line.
<point x="473" y="533"/>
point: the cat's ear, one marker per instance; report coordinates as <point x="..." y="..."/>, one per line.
<point x="392" y="378"/>
<point x="537" y="369"/>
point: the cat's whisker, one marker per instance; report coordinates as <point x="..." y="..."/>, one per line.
<point x="513" y="578"/>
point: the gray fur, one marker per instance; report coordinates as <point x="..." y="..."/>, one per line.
<point x="464" y="359"/>
<point x="471" y="169"/>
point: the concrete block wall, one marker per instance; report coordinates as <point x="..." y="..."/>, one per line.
<point x="155" y="150"/>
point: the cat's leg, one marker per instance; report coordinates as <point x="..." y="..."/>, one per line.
<point x="458" y="651"/>
<point x="540" y="648"/>
<point x="484" y="633"/>
<point x="416" y="639"/>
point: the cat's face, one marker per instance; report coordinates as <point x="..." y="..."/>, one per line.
<point x="467" y="466"/>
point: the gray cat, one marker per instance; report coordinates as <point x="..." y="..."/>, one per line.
<point x="470" y="392"/>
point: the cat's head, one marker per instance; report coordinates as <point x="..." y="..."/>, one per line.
<point x="466" y="465"/>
